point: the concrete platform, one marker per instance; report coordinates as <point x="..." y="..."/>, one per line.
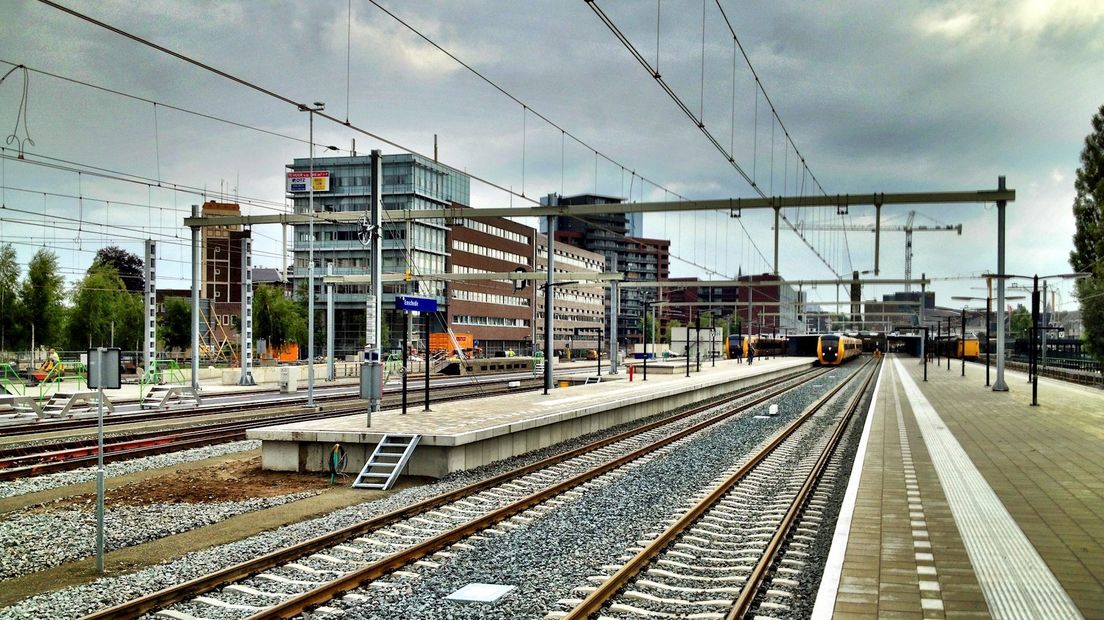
<point x="969" y="503"/>
<point x="465" y="434"/>
<point x="212" y="382"/>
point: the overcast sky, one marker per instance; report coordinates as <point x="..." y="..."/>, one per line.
<point x="877" y="96"/>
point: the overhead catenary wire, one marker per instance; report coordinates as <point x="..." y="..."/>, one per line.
<point x="324" y="115"/>
<point x="513" y="97"/>
<point x="300" y="106"/>
<point x="162" y="238"/>
<point x="528" y="109"/>
<point x="699" y="122"/>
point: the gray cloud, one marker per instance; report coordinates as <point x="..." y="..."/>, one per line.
<point x="878" y="97"/>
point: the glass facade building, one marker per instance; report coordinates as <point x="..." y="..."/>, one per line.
<point x="409" y="182"/>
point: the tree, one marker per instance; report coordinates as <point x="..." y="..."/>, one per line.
<point x="276" y="318"/>
<point x="1019" y="323"/>
<point x="129" y="267"/>
<point x="109" y="314"/>
<point x="648" y="330"/>
<point x="9" y="298"/>
<point x="671" y="325"/>
<point x="175" y="327"/>
<point x="1088" y="239"/>
<point x="41" y="296"/>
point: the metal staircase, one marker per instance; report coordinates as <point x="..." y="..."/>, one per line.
<point x="387" y="461"/>
<point x="63" y="404"/>
<point x="162" y="396"/>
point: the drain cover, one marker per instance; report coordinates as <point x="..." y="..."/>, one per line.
<point x="480" y="592"/>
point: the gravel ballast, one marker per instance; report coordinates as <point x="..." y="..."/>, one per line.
<point x="34" y="540"/>
<point x="74" y="602"/>
<point x="560" y="550"/>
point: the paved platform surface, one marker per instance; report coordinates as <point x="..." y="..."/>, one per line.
<point x="972" y="503"/>
<point x="462" y="421"/>
<point x="212" y="383"/>
<point x="464" y="434"/>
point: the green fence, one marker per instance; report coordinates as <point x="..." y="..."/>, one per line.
<point x="65" y="370"/>
<point x="159" y="372"/>
<point x="11" y="381"/>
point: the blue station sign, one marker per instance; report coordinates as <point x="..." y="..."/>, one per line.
<point x="415" y="304"/>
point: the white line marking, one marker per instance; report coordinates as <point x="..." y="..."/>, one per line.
<point x="833" y="568"/>
<point x="1015" y="580"/>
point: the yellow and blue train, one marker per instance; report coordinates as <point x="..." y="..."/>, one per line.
<point x="835" y="349"/>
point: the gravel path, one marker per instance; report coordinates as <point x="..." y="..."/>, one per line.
<point x="88" y="474"/>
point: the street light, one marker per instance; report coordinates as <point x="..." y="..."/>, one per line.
<point x="317" y="107"/>
<point x="649" y="332"/>
<point x="1033" y="358"/>
<point x="988" y="321"/>
<point x="947" y="351"/>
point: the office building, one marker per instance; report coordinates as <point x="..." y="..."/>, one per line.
<point x="503" y="315"/>
<point x="410" y="182"/>
<point x="610" y="234"/>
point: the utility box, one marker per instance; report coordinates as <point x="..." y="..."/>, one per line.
<point x="288" y="379"/>
<point x="371" y="380"/>
<point x="106" y="377"/>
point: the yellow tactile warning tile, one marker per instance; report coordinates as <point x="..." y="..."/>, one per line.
<point x="1043" y="463"/>
<point x="903" y="557"/>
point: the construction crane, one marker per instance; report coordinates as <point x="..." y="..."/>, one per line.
<point x="908" y="229"/>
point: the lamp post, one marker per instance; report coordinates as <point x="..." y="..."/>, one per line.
<point x="988" y="321"/>
<point x="648" y="335"/>
<point x="599" y="357"/>
<point x="686" y="349"/>
<point x="697" y="342"/>
<point x="948" y="351"/>
<point x="713" y="344"/>
<point x="924" y="352"/>
<point x="1033" y="354"/>
<point x="310" y="110"/>
<point x="962" y="339"/>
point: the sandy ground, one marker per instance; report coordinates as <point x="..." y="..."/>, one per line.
<point x="226" y="478"/>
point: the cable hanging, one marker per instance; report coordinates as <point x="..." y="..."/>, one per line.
<point x="22" y="113"/>
<point x="698" y="122"/>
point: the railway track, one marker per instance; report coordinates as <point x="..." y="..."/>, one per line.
<point x="322" y="394"/>
<point x="24" y="461"/>
<point x="716" y="560"/>
<point x="289" y="581"/>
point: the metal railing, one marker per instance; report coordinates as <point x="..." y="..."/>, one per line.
<point x="11" y="381"/>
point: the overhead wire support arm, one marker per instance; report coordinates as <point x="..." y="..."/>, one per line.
<point x="712" y="204"/>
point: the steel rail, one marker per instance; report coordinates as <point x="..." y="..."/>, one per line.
<point x="271" y="410"/>
<point x="159" y="442"/>
<point x="312" y="598"/>
<point x="206" y="583"/>
<point x="605" y="592"/>
<point x="343" y="392"/>
<point x="762" y="568"/>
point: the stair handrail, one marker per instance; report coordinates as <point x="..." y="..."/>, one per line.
<point x="10" y="377"/>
